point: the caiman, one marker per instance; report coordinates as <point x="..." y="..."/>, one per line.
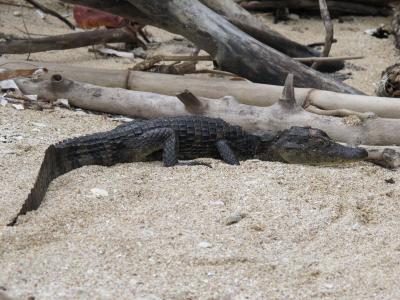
<point x="185" y="138"/>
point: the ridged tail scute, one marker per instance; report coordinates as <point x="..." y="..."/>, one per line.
<point x="49" y="170"/>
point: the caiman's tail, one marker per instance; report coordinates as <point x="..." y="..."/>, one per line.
<point x="49" y="170"/>
<point x="67" y="156"/>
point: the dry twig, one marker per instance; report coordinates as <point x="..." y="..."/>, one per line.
<point x="51" y="12"/>
<point x="328" y="30"/>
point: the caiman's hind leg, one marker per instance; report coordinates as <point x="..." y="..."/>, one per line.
<point x="155" y="140"/>
<point x="226" y="152"/>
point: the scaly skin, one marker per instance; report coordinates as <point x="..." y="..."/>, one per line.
<point x="171" y="139"/>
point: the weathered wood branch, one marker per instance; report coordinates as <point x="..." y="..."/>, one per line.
<point x="66" y="41"/>
<point x="326" y="17"/>
<point x="277" y="117"/>
<point x="245" y="92"/>
<point x="365" y="7"/>
<point x="226" y="43"/>
<point x="260" y="31"/>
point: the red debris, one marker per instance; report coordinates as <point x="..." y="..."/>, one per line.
<point x="86" y="18"/>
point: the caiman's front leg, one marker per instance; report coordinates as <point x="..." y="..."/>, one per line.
<point x="226" y="152"/>
<point x="154" y="140"/>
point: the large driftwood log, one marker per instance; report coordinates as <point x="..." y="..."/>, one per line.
<point x="66" y="41"/>
<point x="367" y="8"/>
<point x="245" y="92"/>
<point x="234" y="50"/>
<point x="236" y="15"/>
<point x="279" y="116"/>
<point x="260" y="31"/>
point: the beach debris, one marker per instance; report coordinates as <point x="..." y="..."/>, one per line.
<point x="112" y="52"/>
<point x="62" y="103"/>
<point x="381" y="32"/>
<point x="8" y="85"/>
<point x="18" y="106"/>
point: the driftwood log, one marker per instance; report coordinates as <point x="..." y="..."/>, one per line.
<point x="234" y="13"/>
<point x="244" y="91"/>
<point x="353" y="7"/>
<point x="279" y="116"/>
<point x="256" y="28"/>
<point x="225" y="42"/>
<point x="66" y="41"/>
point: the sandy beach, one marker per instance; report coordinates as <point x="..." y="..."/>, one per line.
<point x="163" y="233"/>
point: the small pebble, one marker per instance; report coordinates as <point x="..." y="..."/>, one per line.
<point x="329" y="286"/>
<point x="235" y="218"/>
<point x="17" y="13"/>
<point x="39" y="124"/>
<point x="355" y="226"/>
<point x="204" y="244"/>
<point x="99" y="192"/>
<point x="18" y="137"/>
<point x="217" y="203"/>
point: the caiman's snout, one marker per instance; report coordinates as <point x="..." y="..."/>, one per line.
<point x="354" y="154"/>
<point x="311" y="146"/>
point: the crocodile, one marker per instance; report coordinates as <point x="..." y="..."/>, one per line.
<point x="172" y="139"/>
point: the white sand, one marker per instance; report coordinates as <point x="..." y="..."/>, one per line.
<point x="309" y="232"/>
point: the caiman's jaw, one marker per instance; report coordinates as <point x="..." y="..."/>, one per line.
<point x="302" y="145"/>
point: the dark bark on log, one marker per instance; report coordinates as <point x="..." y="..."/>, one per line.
<point x="233" y="50"/>
<point x="66" y="41"/>
<point x="368" y="8"/>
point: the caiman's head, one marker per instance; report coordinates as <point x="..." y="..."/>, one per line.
<point x="305" y="145"/>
